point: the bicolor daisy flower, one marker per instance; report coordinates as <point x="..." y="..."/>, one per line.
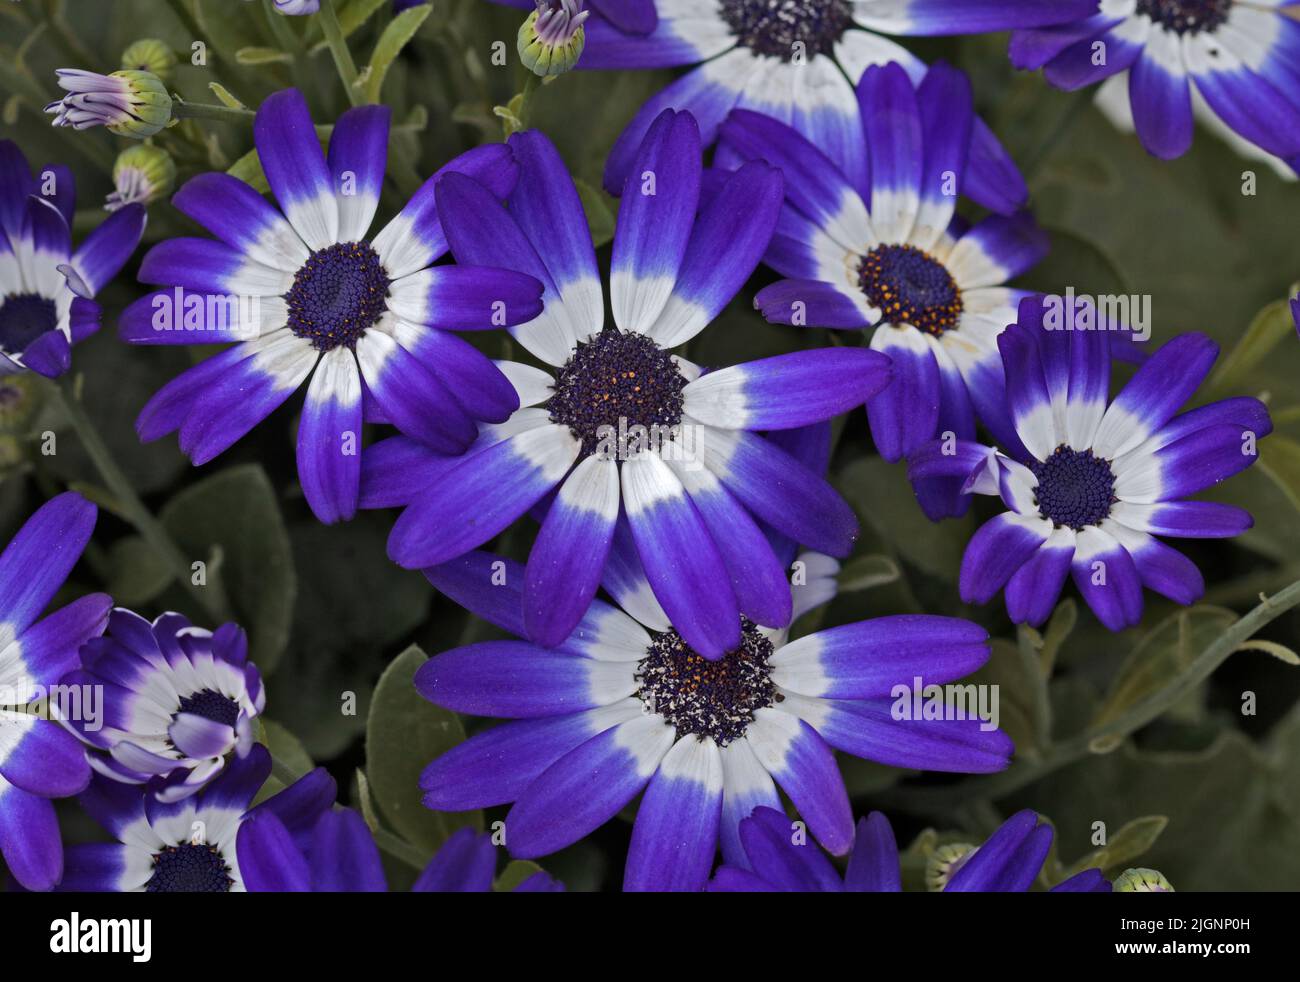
<point x="625" y="705"/>
<point x="186" y="846"/>
<point x="178" y="701"/>
<point x="780" y="859"/>
<point x="793" y="60"/>
<point x="657" y="463"/>
<point x="47" y="289"/>
<point x="1097" y="482"/>
<point x="340" y="856"/>
<point x="899" y="260"/>
<point x="38" y="759"/>
<point x="1234" y="59"/>
<point x="305" y="289"/>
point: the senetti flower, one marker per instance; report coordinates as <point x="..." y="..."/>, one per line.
<point x="128" y="102"/>
<point x="897" y="259"/>
<point x="1095" y="483"/>
<point x="779" y="859"/>
<point x="340" y="856"/>
<point x="47" y="288"/>
<point x="178" y="702"/>
<point x="305" y="289"/>
<point x="790" y="59"/>
<point x="623" y="427"/>
<point x="1231" y="59"/>
<point x="625" y="704"/>
<point x="38" y="759"/>
<point x="186" y="846"/>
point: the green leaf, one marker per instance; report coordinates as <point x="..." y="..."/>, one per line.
<point x="137" y="574"/>
<point x="224" y="94"/>
<point x="262" y="56"/>
<point x="395" y="37"/>
<point x="881" y="495"/>
<point x="1271" y="326"/>
<point x="366" y="801"/>
<point x="248" y="169"/>
<point x="285" y="748"/>
<point x="866" y="572"/>
<point x="233" y="515"/>
<point x="1160" y="658"/>
<point x="514" y="874"/>
<point x="600" y="217"/>
<point x="404" y="733"/>
<point x="1126" y="845"/>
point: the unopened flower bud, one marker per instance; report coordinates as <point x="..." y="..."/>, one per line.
<point x="150" y="55"/>
<point x="944" y="862"/>
<point x="551" y="39"/>
<point x="1142" y="881"/>
<point x="128" y="102"/>
<point x="142" y="173"/>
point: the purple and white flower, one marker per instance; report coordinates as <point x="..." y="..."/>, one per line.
<point x="625" y="704"/>
<point x="659" y="465"/>
<point x="1236" y="63"/>
<point x="186" y="846"/>
<point x="780" y="859"/>
<point x="40" y="761"/>
<point x="178" y="701"/>
<point x="898" y="259"/>
<point x="1097" y="480"/>
<point x="46" y="288"/>
<point x="303" y="289"/>
<point x="793" y="60"/>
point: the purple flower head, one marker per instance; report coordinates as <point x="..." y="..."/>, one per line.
<point x="178" y="703"/>
<point x="340" y="855"/>
<point x="39" y="760"/>
<point x="301" y="289"/>
<point x="1091" y="482"/>
<point x="778" y="857"/>
<point x="47" y="287"/>
<point x="633" y="457"/>
<point x="625" y="705"/>
<point x="1230" y="63"/>
<point x="892" y="255"/>
<point x="793" y="60"/>
<point x="189" y="845"/>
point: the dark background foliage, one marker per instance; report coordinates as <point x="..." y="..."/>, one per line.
<point x="1205" y="793"/>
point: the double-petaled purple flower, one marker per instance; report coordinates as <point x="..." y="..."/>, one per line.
<point x="655" y="463"/>
<point x="625" y="704"/>
<point x="779" y="858"/>
<point x="177" y="701"/>
<point x="893" y="256"/>
<point x="1235" y="62"/>
<point x="1091" y="482"/>
<point x="303" y="289"/>
<point x="47" y="288"/>
<point x="39" y="760"/>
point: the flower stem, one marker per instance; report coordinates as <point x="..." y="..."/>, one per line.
<point x="130" y="505"/>
<point x="338" y="45"/>
<point x="205" y="110"/>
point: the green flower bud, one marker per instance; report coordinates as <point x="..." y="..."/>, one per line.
<point x="1142" y="881"/>
<point x="944" y="862"/>
<point x="142" y="173"/>
<point x="551" y="39"/>
<point x="150" y="55"/>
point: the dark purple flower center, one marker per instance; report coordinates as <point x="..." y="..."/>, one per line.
<point x="786" y="28"/>
<point x="1186" y="16"/>
<point x="716" y="699"/>
<point x="614" y="383"/>
<point x="1075" y="489"/>
<point x="189" y="868"/>
<point x="23" y="318"/>
<point x="212" y="705"/>
<point x="337" y="294"/>
<point x="910" y="287"/>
